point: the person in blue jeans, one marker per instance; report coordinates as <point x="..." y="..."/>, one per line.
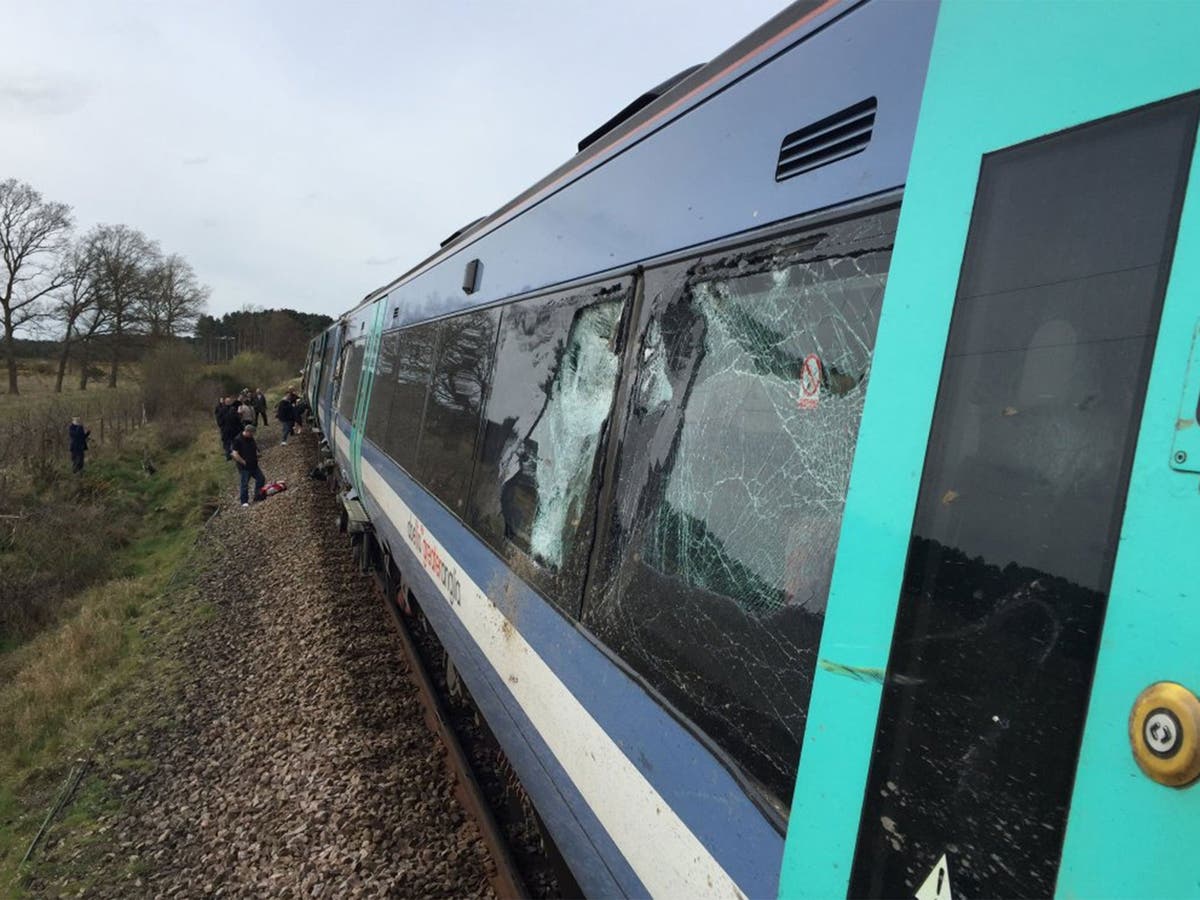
<point x="245" y="454"/>
<point x="285" y="412"/>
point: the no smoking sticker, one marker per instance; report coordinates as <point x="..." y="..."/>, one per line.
<point x="810" y="382"/>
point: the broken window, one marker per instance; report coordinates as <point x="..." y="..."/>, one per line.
<point x="734" y="465"/>
<point x="556" y="369"/>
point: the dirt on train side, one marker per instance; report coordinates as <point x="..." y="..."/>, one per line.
<point x="288" y="757"/>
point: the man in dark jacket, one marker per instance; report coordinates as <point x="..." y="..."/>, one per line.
<point x="231" y="425"/>
<point x="260" y="406"/>
<point x="245" y="453"/>
<point x="78" y="436"/>
<point x="286" y="414"/>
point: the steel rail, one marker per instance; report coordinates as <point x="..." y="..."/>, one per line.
<point x="506" y="880"/>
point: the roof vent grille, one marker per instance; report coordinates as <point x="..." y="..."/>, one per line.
<point x="833" y="138"/>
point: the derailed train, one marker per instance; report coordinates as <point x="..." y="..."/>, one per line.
<point x="742" y="627"/>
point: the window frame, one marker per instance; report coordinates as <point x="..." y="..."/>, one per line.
<point x="775" y="808"/>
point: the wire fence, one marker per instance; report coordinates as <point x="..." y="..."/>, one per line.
<point x="38" y="433"/>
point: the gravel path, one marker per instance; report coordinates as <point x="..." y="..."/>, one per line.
<point x="296" y="762"/>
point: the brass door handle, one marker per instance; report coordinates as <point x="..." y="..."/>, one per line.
<point x="1164" y="730"/>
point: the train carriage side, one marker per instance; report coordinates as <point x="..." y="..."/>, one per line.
<point x="1017" y="547"/>
<point x="606" y="438"/>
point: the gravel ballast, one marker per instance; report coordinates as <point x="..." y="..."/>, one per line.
<point x="292" y="760"/>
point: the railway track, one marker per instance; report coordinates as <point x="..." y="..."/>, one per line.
<point x="526" y="863"/>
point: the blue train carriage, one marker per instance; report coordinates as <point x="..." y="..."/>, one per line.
<point x="607" y="434"/>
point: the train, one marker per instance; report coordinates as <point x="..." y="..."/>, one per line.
<point x="802" y="477"/>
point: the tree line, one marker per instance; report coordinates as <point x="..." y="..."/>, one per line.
<point x="279" y="333"/>
<point x="97" y="290"/>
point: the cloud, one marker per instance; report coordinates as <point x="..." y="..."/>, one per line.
<point x="41" y="95"/>
<point x="195" y="160"/>
<point x="381" y="261"/>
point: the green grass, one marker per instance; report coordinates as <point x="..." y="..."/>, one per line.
<point x="36" y="387"/>
<point x="64" y="687"/>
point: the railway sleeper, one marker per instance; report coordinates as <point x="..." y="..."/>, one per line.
<point x="519" y="840"/>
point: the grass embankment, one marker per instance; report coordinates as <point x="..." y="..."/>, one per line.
<point x="71" y="679"/>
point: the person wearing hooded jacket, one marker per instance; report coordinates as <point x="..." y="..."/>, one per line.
<point x="231" y="427"/>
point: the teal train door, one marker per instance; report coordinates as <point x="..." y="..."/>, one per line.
<point x="1016" y="559"/>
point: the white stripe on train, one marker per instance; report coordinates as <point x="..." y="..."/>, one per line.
<point x="668" y="858"/>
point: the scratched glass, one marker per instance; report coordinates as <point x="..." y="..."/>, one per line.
<point x="743" y="419"/>
<point x="545" y="420"/>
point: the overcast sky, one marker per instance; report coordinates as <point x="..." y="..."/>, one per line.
<point x="301" y="154"/>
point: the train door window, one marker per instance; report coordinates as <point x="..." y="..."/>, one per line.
<point x="734" y="463"/>
<point x="414" y="360"/>
<point x="446" y="453"/>
<point x="551" y="395"/>
<point x="326" y="366"/>
<point x="383" y="388"/>
<point x="350" y="378"/>
<point x="1020" y="505"/>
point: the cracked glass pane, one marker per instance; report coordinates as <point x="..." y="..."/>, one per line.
<point x="568" y="432"/>
<point x="547" y="410"/>
<point x="733" y="473"/>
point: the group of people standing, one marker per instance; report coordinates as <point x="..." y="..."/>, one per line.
<point x="237" y="420"/>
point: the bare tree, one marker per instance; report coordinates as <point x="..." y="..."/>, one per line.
<point x="174" y="298"/>
<point x="32" y="232"/>
<point x="76" y="305"/>
<point x="123" y="258"/>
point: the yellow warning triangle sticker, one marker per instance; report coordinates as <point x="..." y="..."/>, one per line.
<point x="937" y="885"/>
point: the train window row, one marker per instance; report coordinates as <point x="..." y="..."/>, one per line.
<point x="737" y="430"/>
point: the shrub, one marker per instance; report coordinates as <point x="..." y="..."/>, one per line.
<point x="171" y="380"/>
<point x="252" y="370"/>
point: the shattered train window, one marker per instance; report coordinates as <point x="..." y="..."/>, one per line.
<point x="734" y="467"/>
<point x="551" y="394"/>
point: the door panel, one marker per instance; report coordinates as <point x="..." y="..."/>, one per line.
<point x="1020" y="506"/>
<point x="1002" y="75"/>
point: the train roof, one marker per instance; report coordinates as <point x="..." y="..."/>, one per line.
<point x="794" y="22"/>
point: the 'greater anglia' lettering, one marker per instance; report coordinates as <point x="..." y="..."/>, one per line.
<point x="446" y="574"/>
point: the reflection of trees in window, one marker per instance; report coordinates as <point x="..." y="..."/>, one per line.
<point x="563" y="442"/>
<point x="350" y="377"/>
<point x="451" y="423"/>
<point x="384" y="387"/>
<point x="414" y="359"/>
<point x="549" y="397"/>
<point x="549" y="469"/>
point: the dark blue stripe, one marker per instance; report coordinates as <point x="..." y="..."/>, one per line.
<point x="696" y="785"/>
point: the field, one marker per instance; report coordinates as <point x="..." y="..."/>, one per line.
<point x="88" y="561"/>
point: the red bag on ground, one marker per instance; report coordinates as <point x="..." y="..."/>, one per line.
<point x="273" y="488"/>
